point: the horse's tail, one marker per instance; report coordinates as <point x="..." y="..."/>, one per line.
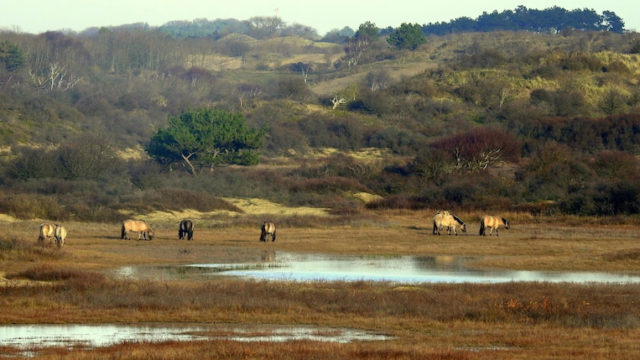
<point x="181" y="229"/>
<point x="482" y="227"/>
<point x="435" y="228"/>
<point x="123" y="232"/>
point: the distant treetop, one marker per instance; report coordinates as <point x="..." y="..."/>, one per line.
<point x="547" y="20"/>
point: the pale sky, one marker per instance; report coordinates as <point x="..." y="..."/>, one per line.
<point x="37" y="16"/>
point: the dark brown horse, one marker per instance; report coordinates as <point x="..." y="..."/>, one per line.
<point x="185" y="230"/>
<point x="268" y="228"/>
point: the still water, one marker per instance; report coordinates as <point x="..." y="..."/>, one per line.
<point x="400" y="269"/>
<point x="36" y="336"/>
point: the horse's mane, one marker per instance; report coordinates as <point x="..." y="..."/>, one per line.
<point x="458" y="220"/>
<point x="505" y="221"/>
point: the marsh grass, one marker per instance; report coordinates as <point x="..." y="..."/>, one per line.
<point x="47" y="272"/>
<point x="427" y="321"/>
<point x="594" y="306"/>
<point x="627" y="254"/>
<point x="14" y="247"/>
<point x="439" y="321"/>
<point x="223" y="349"/>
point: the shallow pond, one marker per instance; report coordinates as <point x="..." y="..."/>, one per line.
<point x="401" y="269"/>
<point x="35" y="336"/>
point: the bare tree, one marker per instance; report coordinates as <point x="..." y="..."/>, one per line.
<point x="337" y="101"/>
<point x="56" y="78"/>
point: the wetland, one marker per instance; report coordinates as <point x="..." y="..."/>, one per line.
<point x="535" y="291"/>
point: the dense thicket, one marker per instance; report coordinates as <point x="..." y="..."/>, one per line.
<point x="540" y="122"/>
<point x="524" y="19"/>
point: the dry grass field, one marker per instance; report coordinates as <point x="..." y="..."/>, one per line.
<point x="79" y="284"/>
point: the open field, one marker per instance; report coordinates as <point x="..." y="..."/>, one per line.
<point x="77" y="284"/>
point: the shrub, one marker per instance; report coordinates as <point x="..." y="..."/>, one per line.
<point x="342" y="133"/>
<point x="398" y="140"/>
<point x="479" y="148"/>
<point x="293" y="88"/>
<point x="31" y="206"/>
<point x="32" y="164"/>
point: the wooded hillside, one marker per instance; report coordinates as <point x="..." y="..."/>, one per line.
<point x="517" y="120"/>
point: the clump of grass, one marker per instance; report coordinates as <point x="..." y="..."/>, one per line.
<point x="48" y="272"/>
<point x="17" y="248"/>
<point x="630" y="254"/>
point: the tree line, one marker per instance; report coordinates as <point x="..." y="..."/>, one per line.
<point x="552" y="19"/>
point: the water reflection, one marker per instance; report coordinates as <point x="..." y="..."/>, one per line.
<point x="401" y="269"/>
<point x="39" y="335"/>
<point x="79" y="335"/>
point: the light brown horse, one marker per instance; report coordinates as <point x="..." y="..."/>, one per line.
<point x="268" y="228"/>
<point x="140" y="226"/>
<point x="492" y="223"/>
<point x="60" y="233"/>
<point x="46" y="232"/>
<point x="443" y="219"/>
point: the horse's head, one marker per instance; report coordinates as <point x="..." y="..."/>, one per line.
<point x="506" y="223"/>
<point x="464" y="227"/>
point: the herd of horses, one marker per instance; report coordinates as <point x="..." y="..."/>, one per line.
<point x="51" y="232"/>
<point x="143" y="229"/>
<point x="442" y="220"/>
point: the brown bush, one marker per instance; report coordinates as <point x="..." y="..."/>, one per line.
<point x="30" y="206"/>
<point x="480" y="147"/>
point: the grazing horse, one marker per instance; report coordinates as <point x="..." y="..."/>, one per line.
<point x="60" y="233"/>
<point x="185" y="230"/>
<point x="46" y="232"/>
<point x="492" y="223"/>
<point x="444" y="219"/>
<point x="140" y="226"/>
<point x="268" y="228"/>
